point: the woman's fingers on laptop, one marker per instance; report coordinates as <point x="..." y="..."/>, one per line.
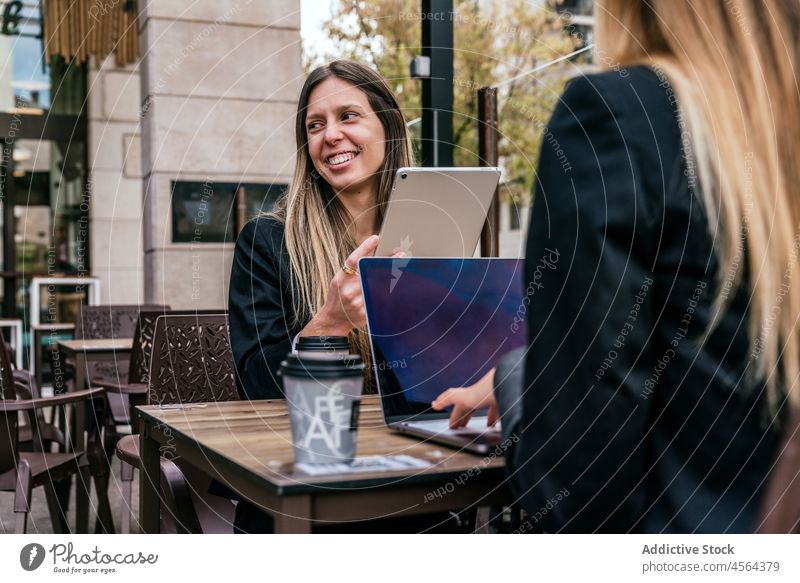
<point x="462" y="401"/>
<point x="460" y="416"/>
<point x="466" y="400"/>
<point x="461" y="413"/>
<point x="494" y="416"/>
<point x="444" y="400"/>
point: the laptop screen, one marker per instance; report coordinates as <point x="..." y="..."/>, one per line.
<point x="439" y="323"/>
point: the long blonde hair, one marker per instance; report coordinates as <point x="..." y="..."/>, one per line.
<point x="732" y="65"/>
<point x="317" y="234"/>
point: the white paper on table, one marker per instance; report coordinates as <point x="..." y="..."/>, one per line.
<point x="375" y="463"/>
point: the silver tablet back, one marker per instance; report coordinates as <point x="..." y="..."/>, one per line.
<point x="437" y="212"/>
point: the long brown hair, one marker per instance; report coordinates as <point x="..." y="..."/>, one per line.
<point x="318" y="239"/>
<point x="733" y="67"/>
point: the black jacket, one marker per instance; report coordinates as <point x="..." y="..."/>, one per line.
<point x="260" y="308"/>
<point x="631" y="419"/>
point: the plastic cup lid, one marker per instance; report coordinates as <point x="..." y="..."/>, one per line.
<point x="323" y="343"/>
<point x="312" y="368"/>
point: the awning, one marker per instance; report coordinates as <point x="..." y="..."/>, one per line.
<point x="81" y="28"/>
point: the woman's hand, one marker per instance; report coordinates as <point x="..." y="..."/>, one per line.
<point x="467" y="400"/>
<point x="344" y="308"/>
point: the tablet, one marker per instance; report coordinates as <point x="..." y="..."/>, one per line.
<point x="437" y="212"/>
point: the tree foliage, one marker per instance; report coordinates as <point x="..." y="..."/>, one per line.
<point x="495" y="40"/>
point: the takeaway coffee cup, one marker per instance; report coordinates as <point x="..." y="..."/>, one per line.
<point x="326" y="347"/>
<point x="324" y="397"/>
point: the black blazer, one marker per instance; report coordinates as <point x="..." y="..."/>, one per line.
<point x="260" y="307"/>
<point x="631" y="419"/>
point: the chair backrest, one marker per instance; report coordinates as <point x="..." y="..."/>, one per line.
<point x="142" y="349"/>
<point x="110" y="321"/>
<point x="8" y="420"/>
<point x="780" y="503"/>
<point x="192" y="361"/>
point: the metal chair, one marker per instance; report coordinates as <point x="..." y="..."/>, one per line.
<point x="20" y="471"/>
<point x="46" y="434"/>
<point x="141" y="352"/>
<point x="191" y="362"/>
<point x="111" y="321"/>
<point x="134" y="388"/>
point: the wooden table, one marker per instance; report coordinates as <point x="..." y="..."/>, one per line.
<point x="98" y="350"/>
<point x="248" y="446"/>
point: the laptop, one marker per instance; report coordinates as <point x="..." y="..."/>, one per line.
<point x="437" y="212"/>
<point x="437" y="323"/>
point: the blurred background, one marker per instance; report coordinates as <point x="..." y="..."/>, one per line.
<point x="139" y="136"/>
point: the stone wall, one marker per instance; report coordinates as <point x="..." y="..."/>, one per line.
<point x="220" y="80"/>
<point x="115" y="181"/>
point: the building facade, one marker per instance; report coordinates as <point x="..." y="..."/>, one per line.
<point x="138" y="137"/>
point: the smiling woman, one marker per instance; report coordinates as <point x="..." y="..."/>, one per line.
<point x="293" y="269"/>
<point x="331" y="123"/>
<point x="347" y="145"/>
